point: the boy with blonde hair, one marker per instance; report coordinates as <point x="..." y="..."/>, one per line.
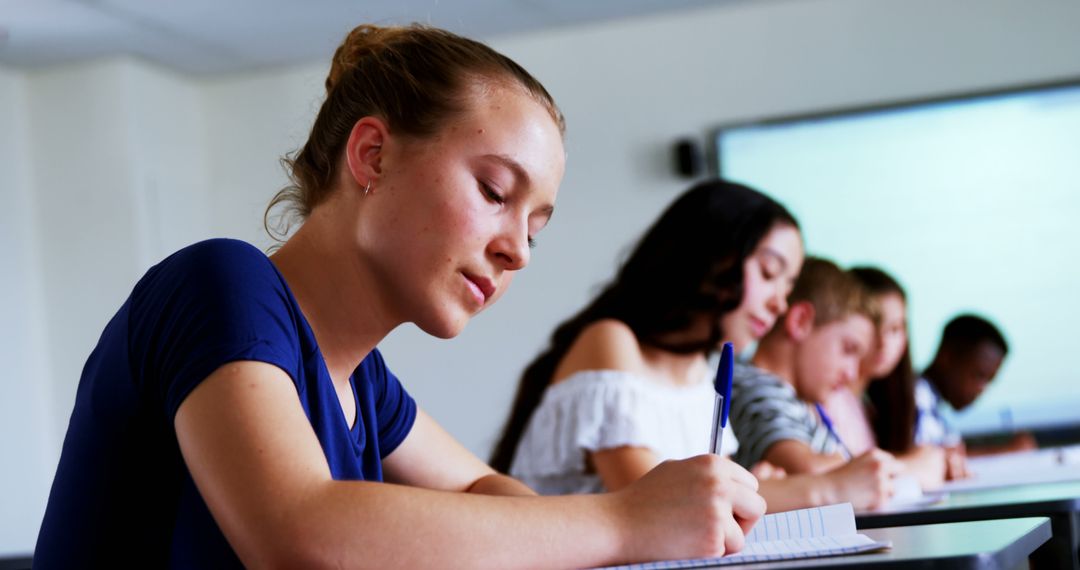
<point x="813" y="350"/>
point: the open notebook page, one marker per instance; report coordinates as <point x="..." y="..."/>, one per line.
<point x="802" y="533"/>
<point x="1047" y="465"/>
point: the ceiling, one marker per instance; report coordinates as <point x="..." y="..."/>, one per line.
<point x="207" y="37"/>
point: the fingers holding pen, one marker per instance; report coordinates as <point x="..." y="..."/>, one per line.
<point x="701" y="506"/>
<point x="735" y="499"/>
<point x="746" y="504"/>
<point x="737" y="473"/>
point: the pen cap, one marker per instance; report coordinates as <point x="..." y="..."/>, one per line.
<point x="724" y="374"/>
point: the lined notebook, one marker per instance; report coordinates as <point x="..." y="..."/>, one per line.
<point x="1046" y="465"/>
<point x="803" y="533"/>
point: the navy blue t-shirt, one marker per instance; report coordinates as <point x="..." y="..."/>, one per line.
<point x="122" y="494"/>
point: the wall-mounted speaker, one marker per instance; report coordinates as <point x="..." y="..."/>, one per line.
<point x="688" y="158"/>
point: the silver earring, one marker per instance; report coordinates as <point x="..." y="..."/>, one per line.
<point x="367" y="189"/>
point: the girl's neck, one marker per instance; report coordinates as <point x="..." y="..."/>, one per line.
<point x="339" y="298"/>
<point x="859" y="386"/>
<point x="674" y="368"/>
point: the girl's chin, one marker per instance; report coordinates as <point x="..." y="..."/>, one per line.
<point x="880" y="372"/>
<point x="740" y="343"/>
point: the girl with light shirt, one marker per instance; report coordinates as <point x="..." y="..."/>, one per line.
<point x="625" y="384"/>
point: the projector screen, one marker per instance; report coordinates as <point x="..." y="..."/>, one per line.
<point x="973" y="203"/>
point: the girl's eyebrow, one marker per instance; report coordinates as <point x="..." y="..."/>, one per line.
<point x="765" y="250"/>
<point x="514" y="166"/>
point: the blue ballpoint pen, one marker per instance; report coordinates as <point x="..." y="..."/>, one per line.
<point x="825" y="419"/>
<point x="722" y="385"/>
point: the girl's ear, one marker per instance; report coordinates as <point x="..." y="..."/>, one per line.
<point x="799" y="321"/>
<point x="363" y="151"/>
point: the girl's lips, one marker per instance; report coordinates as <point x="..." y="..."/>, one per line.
<point x="477" y="294"/>
<point x="758" y="327"/>
<point x="481" y="287"/>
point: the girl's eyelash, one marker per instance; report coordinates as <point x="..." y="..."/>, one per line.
<point x="498" y="199"/>
<point x="491" y="193"/>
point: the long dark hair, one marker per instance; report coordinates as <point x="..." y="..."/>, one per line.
<point x="691" y="258"/>
<point x="892" y="397"/>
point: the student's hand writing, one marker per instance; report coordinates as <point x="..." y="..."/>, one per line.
<point x="866" y="481"/>
<point x="697" y="507"/>
<point x="764" y="470"/>
<point x="1023" y="441"/>
<point x="956" y="462"/>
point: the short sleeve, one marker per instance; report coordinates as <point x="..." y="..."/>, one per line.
<point x="931" y="425"/>
<point x="924" y="413"/>
<point x="764" y="411"/>
<point x="395" y="409"/>
<point x="212" y="303"/>
<point x="588" y="412"/>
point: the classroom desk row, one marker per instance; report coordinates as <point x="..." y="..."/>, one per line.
<point x="1058" y="502"/>
<point x="1023" y="512"/>
<point x="985" y="545"/>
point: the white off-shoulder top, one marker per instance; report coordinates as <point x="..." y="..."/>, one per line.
<point x="603" y="409"/>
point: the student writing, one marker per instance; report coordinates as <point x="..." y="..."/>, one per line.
<point x="236" y="411"/>
<point x="624" y="384"/>
<point x="878" y="408"/>
<point x="814" y="350"/>
<point x="968" y="358"/>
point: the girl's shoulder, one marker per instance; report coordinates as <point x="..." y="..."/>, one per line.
<point x="224" y="252"/>
<point x="609" y="332"/>
<point x="221" y="269"/>
<point x="607" y="344"/>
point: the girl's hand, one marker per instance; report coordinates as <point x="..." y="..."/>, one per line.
<point x="694" y="508"/>
<point x="866" y="481"/>
<point x="956" y="462"/>
<point x="764" y="470"/>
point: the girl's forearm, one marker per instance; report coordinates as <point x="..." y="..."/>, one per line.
<point x="499" y="484"/>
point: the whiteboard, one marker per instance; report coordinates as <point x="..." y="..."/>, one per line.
<point x="972" y="203"/>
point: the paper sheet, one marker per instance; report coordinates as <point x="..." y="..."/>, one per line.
<point x="1048" y="465"/>
<point x="802" y="533"/>
<point x="908" y="493"/>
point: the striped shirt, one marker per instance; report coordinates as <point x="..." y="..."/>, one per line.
<point x="931" y="424"/>
<point x="766" y="410"/>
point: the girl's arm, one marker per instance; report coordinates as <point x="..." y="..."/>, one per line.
<point x="260" y="469"/>
<point x="610" y="344"/>
<point x="430" y="458"/>
<point x="865" y="482"/>
<point x="621" y="466"/>
<point x="794" y="457"/>
<point x="926" y="463"/>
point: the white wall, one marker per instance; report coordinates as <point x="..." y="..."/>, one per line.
<point x="116" y="150"/>
<point x="169" y="162"/>
<point x="104" y="173"/>
<point x="27" y="446"/>
<point x="252" y="122"/>
<point x="128" y="162"/>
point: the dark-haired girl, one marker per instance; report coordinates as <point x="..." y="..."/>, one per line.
<point x="625" y="385"/>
